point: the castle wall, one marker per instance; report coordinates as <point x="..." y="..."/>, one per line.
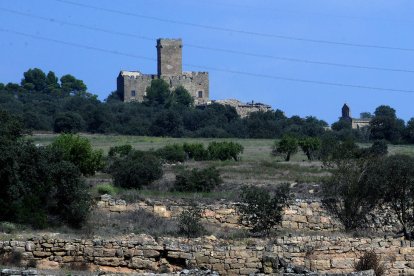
<point x="194" y="82"/>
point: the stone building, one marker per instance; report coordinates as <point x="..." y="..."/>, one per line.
<point x="245" y="109"/>
<point x="355" y="123"/>
<point x="133" y="84"/>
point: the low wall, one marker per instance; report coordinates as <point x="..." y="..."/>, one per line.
<point x="301" y="214"/>
<point x="143" y="253"/>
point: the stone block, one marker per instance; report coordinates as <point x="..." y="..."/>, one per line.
<point x="248" y="271"/>
<point x="321" y="264"/>
<point x="342" y="263"/>
<point x="107" y="261"/>
<point x="407" y="250"/>
<point x="117" y="208"/>
<point x="41" y="254"/>
<point x="151" y="253"/>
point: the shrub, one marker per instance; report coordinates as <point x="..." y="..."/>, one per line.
<point x="78" y="150"/>
<point x="122" y="150"/>
<point x="285" y="147"/>
<point x="379" y="148"/>
<point x="369" y="261"/>
<point x="196" y="151"/>
<point x="189" y="222"/>
<point x="7" y="227"/>
<point x="196" y="180"/>
<point x="135" y="170"/>
<point x="224" y="151"/>
<point x="261" y="210"/>
<point x="106" y="188"/>
<point x="172" y="153"/>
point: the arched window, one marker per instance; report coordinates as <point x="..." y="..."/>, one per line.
<point x="132" y="93"/>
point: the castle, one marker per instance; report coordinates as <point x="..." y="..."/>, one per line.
<point x="133" y="84"/>
<point x="355" y="123"/>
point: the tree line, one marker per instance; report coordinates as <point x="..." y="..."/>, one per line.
<point x="45" y="102"/>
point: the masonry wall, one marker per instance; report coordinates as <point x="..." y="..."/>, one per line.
<point x="192" y="81"/>
<point x="140" y="253"/>
<point x="302" y="215"/>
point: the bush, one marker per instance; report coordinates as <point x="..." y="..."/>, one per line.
<point x="78" y="150"/>
<point x="122" y="150"/>
<point x="224" y="151"/>
<point x="106" y="188"/>
<point x="379" y="148"/>
<point x="285" y="147"/>
<point x="7" y="227"/>
<point x="135" y="170"/>
<point x="261" y="210"/>
<point x="172" y="153"/>
<point x="189" y="222"/>
<point x="204" y="180"/>
<point x="196" y="151"/>
<point x="369" y="261"/>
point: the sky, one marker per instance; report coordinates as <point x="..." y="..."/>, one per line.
<point x="278" y="52"/>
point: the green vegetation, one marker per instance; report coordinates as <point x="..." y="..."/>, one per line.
<point x="224" y="151"/>
<point x="285" y="147"/>
<point x="135" y="170"/>
<point x="204" y="180"/>
<point x="370" y="260"/>
<point x="38" y="183"/>
<point x="78" y="150"/>
<point x="189" y="222"/>
<point x="172" y="153"/>
<point x="261" y="210"/>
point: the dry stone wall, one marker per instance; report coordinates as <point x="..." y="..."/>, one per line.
<point x="294" y="255"/>
<point x="302" y="215"/>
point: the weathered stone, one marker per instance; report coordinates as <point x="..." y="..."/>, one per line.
<point x="47" y="265"/>
<point x="41" y="254"/>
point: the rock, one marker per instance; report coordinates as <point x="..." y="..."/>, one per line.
<point x="47" y="265"/>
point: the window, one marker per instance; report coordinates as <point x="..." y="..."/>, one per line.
<point x="132" y="93"/>
<point x="200" y="94"/>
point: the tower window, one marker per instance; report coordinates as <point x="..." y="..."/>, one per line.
<point x="133" y="93"/>
<point x="200" y="94"/>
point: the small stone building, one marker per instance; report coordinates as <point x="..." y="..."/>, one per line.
<point x="133" y="84"/>
<point x="355" y="123"/>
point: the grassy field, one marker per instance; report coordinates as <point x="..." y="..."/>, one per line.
<point x="257" y="166"/>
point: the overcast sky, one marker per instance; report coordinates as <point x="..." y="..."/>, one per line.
<point x="94" y="43"/>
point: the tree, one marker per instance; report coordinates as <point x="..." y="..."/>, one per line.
<point x="181" y="97"/>
<point x="393" y="177"/>
<point x="34" y="79"/>
<point x="287" y="146"/>
<point x="78" y="150"/>
<point x="310" y="146"/>
<point x="386" y="125"/>
<point x="158" y="93"/>
<point x="347" y="193"/>
<point x="68" y="122"/>
<point x="261" y="210"/>
<point x="36" y="183"/>
<point x="167" y="123"/>
<point x="72" y="86"/>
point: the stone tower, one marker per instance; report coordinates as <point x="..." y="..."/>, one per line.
<point x="169" y="57"/>
<point x="346" y="112"/>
